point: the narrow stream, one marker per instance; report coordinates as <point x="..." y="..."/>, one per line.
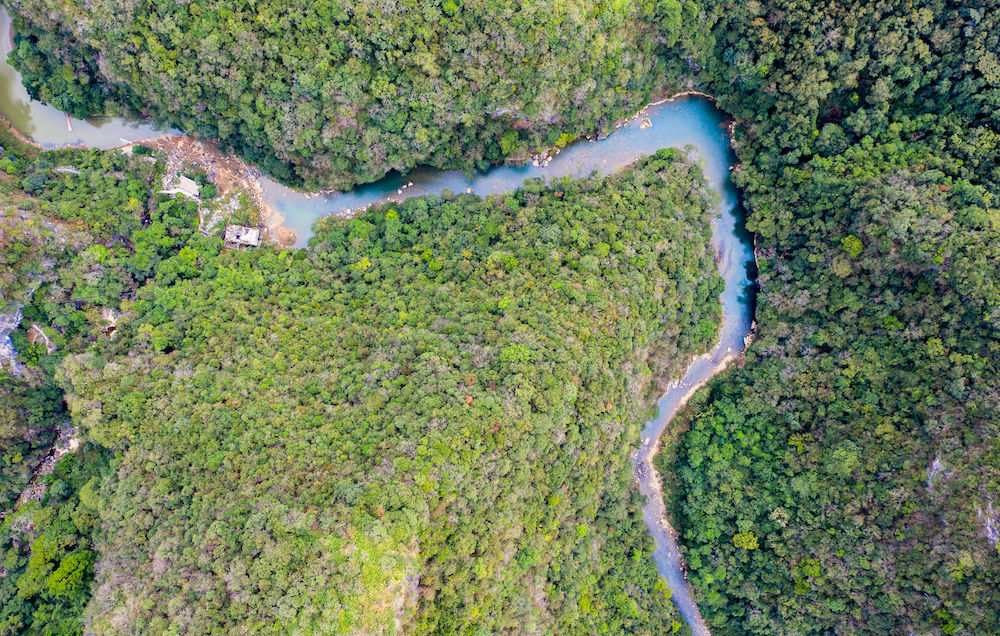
<point x="691" y="122"/>
<point x="686" y="121"/>
<point x="736" y="266"/>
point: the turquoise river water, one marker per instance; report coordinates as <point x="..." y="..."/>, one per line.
<point x="687" y="122"/>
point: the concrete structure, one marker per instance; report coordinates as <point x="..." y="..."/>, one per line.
<point x="242" y="236"/>
<point x="185" y="186"/>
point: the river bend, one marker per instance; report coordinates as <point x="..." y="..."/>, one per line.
<point x="688" y="122"/>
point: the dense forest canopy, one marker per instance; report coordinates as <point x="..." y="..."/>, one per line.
<point x="431" y="407"/>
<point x="338" y="93"/>
<point x="81" y="232"/>
<point x="845" y="478"/>
<point x="425" y="418"/>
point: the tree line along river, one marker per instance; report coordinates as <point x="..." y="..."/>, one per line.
<point x="687" y="122"/>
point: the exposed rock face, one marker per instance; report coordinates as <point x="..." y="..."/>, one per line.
<point x="8" y="323"/>
<point x="932" y="470"/>
<point x="991" y="523"/>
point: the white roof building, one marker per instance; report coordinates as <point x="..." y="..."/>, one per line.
<point x="187" y="186"/>
<point x="242" y="236"/>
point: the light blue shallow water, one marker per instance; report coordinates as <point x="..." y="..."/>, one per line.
<point x="689" y="121"/>
<point x="686" y="122"/>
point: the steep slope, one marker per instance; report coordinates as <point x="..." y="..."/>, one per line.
<point x="843" y="479"/>
<point x="331" y="93"/>
<point x="421" y="422"/>
<point x="59" y="212"/>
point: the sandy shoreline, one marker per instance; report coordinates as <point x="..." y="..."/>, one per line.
<point x="20" y="136"/>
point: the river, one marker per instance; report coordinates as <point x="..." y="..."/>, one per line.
<point x="47" y="125"/>
<point x="692" y="122"/>
<point x="684" y="122"/>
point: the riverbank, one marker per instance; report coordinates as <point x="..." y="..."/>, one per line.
<point x="228" y="172"/>
<point x="279" y="206"/>
<point x="286" y="207"/>
<point x="20" y="136"/>
<point x="687" y="120"/>
<point x="667" y="554"/>
<point x="651" y="484"/>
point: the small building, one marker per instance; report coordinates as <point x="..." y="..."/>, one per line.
<point x="187" y="187"/>
<point x="237" y="236"/>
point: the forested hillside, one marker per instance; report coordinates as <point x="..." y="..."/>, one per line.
<point x="79" y="231"/>
<point x="420" y="423"/>
<point x="337" y="93"/>
<point x="41" y="212"/>
<point x="845" y="478"/>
